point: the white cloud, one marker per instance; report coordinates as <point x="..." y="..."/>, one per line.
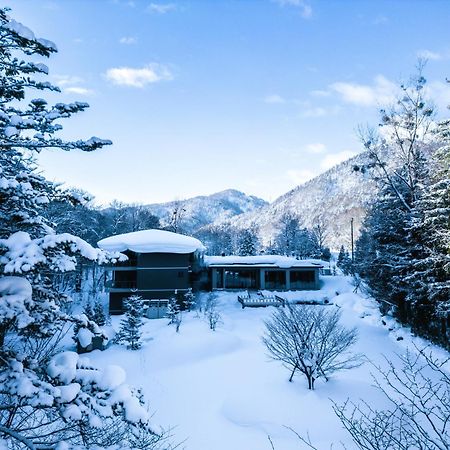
<point x="439" y="93"/>
<point x="381" y="92"/>
<point x="300" y="176"/>
<point x="316" y="111"/>
<point x="302" y="5"/>
<point x="161" y="8"/>
<point x="316" y="148"/>
<point x="66" y="80"/>
<point x="274" y="98"/>
<point x="78" y="90"/>
<point x="428" y="54"/>
<point x="319" y="111"/>
<point x="320" y="93"/>
<point x="380" y="20"/>
<point x="129" y="76"/>
<point x="333" y="159"/>
<point x="128" y="40"/>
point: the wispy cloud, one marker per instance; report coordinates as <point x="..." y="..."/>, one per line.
<point x="333" y="159"/>
<point x="316" y="148"/>
<point x="66" y="80"/>
<point x="78" y="90"/>
<point x="382" y="91"/>
<point x="274" y="98"/>
<point x="319" y="111"/>
<point x="139" y="78"/>
<point x="72" y="84"/>
<point x="439" y="91"/>
<point x="128" y="40"/>
<point x="380" y="20"/>
<point x="320" y="93"/>
<point x="302" y="5"/>
<point x="299" y="176"/>
<point x="161" y="8"/>
<point x="428" y="54"/>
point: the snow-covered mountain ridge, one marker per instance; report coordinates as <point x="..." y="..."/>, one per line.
<point x="197" y="212"/>
<point x="335" y="197"/>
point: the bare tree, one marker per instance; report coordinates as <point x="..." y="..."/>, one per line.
<point x="176" y="218"/>
<point x="310" y="340"/>
<point x="397" y="154"/>
<point x="212" y="316"/>
<point x="419" y="414"/>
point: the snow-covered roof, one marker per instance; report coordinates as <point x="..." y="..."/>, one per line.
<point x="283" y="262"/>
<point x="151" y="241"/>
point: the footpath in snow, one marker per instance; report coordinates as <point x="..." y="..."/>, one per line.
<point x="219" y="390"/>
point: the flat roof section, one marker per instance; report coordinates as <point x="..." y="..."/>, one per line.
<point x="260" y="261"/>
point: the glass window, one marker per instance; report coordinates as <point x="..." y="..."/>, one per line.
<point x="275" y="279"/>
<point x="302" y="278"/>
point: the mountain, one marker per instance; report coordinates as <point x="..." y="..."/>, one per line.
<point x="334" y="197"/>
<point x="197" y="212"/>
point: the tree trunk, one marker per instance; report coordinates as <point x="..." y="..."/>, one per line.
<point x="292" y="374"/>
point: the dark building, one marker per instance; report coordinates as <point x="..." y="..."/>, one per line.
<point x="271" y="272"/>
<point x="160" y="264"/>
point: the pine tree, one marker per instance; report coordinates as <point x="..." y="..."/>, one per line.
<point x="31" y="256"/>
<point x="130" y="327"/>
<point x="344" y="262"/>
<point x="188" y="300"/>
<point x="174" y="313"/>
<point x="248" y="243"/>
<point x="98" y="313"/>
<point x="88" y="310"/>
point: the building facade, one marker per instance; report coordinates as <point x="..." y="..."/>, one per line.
<point x="271" y="272"/>
<point x="159" y="265"/>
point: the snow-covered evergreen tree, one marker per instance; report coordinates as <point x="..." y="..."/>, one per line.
<point x="98" y="313"/>
<point x="399" y="252"/>
<point x="248" y="243"/>
<point x="47" y="396"/>
<point x="130" y="331"/>
<point x="189" y="300"/>
<point x="344" y="262"/>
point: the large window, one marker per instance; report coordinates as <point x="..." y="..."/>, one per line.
<point x="302" y="278"/>
<point x="241" y="279"/>
<point x="275" y="279"/>
<point x="124" y="279"/>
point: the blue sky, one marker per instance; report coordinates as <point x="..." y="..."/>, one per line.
<point x="204" y="95"/>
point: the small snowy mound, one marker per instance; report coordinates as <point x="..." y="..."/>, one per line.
<point x="151" y="241"/>
<point x="15" y="294"/>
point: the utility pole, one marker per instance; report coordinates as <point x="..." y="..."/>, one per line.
<point x="351" y="227"/>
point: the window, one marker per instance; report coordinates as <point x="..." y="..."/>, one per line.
<point x="241" y="279"/>
<point x="300" y="278"/>
<point x="275" y="279"/>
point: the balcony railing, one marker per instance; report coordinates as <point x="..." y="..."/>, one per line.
<point x="117" y="284"/>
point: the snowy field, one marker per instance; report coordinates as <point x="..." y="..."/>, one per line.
<point x="219" y="390"/>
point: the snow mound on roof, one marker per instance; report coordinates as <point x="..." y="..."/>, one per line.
<point x="151" y="241"/>
<point x="261" y="260"/>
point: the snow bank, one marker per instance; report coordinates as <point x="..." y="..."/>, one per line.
<point x="84" y="337"/>
<point x="151" y="241"/>
<point x="283" y="262"/>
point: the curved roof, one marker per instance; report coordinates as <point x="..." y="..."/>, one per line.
<point x="151" y="241"/>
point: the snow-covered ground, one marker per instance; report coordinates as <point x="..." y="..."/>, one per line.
<point x="219" y="390"/>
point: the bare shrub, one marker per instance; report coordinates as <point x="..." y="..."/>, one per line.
<point x="419" y="414"/>
<point x="310" y="340"/>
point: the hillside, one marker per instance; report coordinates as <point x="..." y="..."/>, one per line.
<point x="197" y="212"/>
<point x="335" y="196"/>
